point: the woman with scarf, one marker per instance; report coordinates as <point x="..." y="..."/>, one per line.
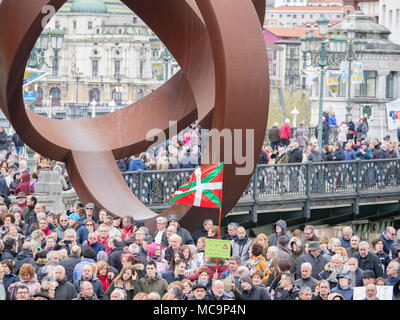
<point x="155" y="253"/>
<point x="27" y="277"/>
<point x="257" y="262"/>
<point x="127" y="281"/>
<point x="332" y="270"/>
<point x="190" y="262"/>
<point x="103" y="274"/>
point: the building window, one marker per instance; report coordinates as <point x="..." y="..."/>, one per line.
<point x="117" y="67"/>
<point x="95" y="68"/>
<point x="274" y="55"/>
<point x="90" y="25"/>
<point x="117" y="96"/>
<point x="294" y="16"/>
<point x="74" y="25"/>
<point x="368" y="88"/>
<point x="139" y="94"/>
<point x="134" y="20"/>
<point x="97" y="31"/>
<point x="141" y="69"/>
<point x="94" y="94"/>
<point x="55" y="94"/>
<point x="39" y="98"/>
<point x="390" y="85"/>
<point x="302" y="16"/>
<point x="274" y="69"/>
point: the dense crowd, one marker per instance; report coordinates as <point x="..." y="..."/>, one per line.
<point x="88" y="255"/>
<point x="352" y="142"/>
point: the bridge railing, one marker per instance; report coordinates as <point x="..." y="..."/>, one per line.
<point x="281" y="181"/>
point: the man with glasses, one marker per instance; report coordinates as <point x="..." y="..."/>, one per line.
<point x="161" y="228"/>
<point x="94" y="244"/>
<point x="62" y="226"/>
<point x="103" y="237"/>
<point x="388" y="237"/>
<point x="324" y="289"/>
<point x="22" y="293"/>
<point x="89" y="210"/>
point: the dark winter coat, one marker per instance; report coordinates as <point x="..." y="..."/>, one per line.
<point x="295" y="156"/>
<point x="344" y="243"/>
<point x="273" y="239"/>
<point x="97" y="247"/>
<point x="24" y="256"/>
<point x="198" y="234"/>
<point x="4" y="144"/>
<point x="131" y="288"/>
<point x="281" y="294"/>
<point x="347" y="294"/>
<point x="274" y="134"/>
<point x="338" y="154"/>
<point x="240" y="248"/>
<point x="9" y="279"/>
<point x="183" y="233"/>
<point x="114" y="259"/>
<point x="82" y="232"/>
<point x="97" y="286"/>
<point x="396" y="290"/>
<point x="169" y="276"/>
<point x="317" y="263"/>
<point x="315" y="156"/>
<point x="370" y="262"/>
<point x="387" y="244"/>
<point x="65" y="290"/>
<point x="256" y="293"/>
<point x="69" y="264"/>
<point x="17" y="140"/>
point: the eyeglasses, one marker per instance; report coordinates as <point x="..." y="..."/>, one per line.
<point x="63" y="220"/>
<point x="393" y="234"/>
<point x="89" y="209"/>
<point x="89" y="224"/>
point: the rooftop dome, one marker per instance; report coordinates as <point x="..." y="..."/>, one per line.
<point x="89" y="6"/>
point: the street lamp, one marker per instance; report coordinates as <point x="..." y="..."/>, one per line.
<point x="167" y="59"/>
<point x="56" y="39"/>
<point x="50" y="105"/>
<point x="112" y="105"/>
<point x="77" y="76"/>
<point x="93" y="105"/>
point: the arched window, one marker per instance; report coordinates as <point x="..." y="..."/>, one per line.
<point x="117" y="96"/>
<point x="94" y="94"/>
<point x="55" y="96"/>
<point x="39" y="98"/>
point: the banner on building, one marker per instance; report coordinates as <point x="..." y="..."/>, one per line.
<point x="158" y="70"/>
<point x="312" y="74"/>
<point x="333" y="81"/>
<point x="31" y="75"/>
<point x="344" y="70"/>
<point x="358" y="73"/>
<point x="393" y="114"/>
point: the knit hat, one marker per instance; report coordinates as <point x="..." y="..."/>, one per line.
<point x="313" y="245"/>
<point x="344" y="274"/>
<point x="368" y="274"/>
<point x="173" y="217"/>
<point x="245" y="279"/>
<point x="198" y="285"/>
<point x="43" y="295"/>
<point x="21" y="195"/>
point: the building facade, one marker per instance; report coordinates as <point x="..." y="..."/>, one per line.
<point x="295" y="16"/>
<point x="389" y="16"/>
<point x="381" y="73"/>
<point x="106" y="62"/>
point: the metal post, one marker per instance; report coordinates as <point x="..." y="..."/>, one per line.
<point x="307" y="211"/>
<point x="322" y="65"/>
<point x="350" y="58"/>
<point x="255" y="197"/>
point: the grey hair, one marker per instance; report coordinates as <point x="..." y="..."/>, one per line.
<point x="173" y="236"/>
<point x="83" y="283"/>
<point x="162" y="220"/>
<point x="274" y="249"/>
<point x="145" y="230"/>
<point x="364" y="243"/>
<point x="206" y="221"/>
<point x="121" y="292"/>
<point x="233" y="225"/>
<point x="171" y="226"/>
<point x="396" y="265"/>
<point x="309" y="227"/>
<point x="242" y="270"/>
<point x="306" y="265"/>
<point x="51" y="254"/>
<point x="289" y="276"/>
<point x="303" y="289"/>
<point x="177" y="291"/>
<point x="236" y="258"/>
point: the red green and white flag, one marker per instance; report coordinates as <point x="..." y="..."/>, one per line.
<point x="204" y="188"/>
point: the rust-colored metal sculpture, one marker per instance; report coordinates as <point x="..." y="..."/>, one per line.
<point x="223" y="82"/>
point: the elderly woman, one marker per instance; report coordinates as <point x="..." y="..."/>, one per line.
<point x="103" y="274"/>
<point x="332" y="270"/>
<point x="27" y="277"/>
<point x="333" y="245"/>
<point x="127" y="281"/>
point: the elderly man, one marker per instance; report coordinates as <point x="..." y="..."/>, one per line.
<point x="86" y="292"/>
<point x="65" y="290"/>
<point x="68" y="242"/>
<point x="355" y="272"/>
<point x="118" y="294"/>
<point x="182" y="232"/>
<point x="92" y="242"/>
<point x="161" y="228"/>
<point x="62" y="226"/>
<point x="347" y="233"/>
<point x="306" y="279"/>
<point x="198" y="292"/>
<point x="324" y="288"/>
<point x="112" y="230"/>
<point x="103" y="237"/>
<point x="175" y="242"/>
<point x="240" y="245"/>
<point x="314" y="257"/>
<point x="368" y="260"/>
<point x="305" y="293"/>
<point x="87" y="275"/>
<point x="168" y="232"/>
<point x="175" y="293"/>
<point x="88" y="258"/>
<point x="392" y="273"/>
<point x="234" y="264"/>
<point x="89" y="212"/>
<point x="203" y="231"/>
<point x="286" y="289"/>
<point x="370" y="292"/>
<point x="127" y="227"/>
<point x="343" y="285"/>
<point x="368" y="277"/>
<point x="232" y="230"/>
<point x="217" y="291"/>
<point x="252" y="292"/>
<point x="353" y="249"/>
<point x="388" y="238"/>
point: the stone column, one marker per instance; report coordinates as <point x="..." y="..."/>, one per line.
<point x="48" y="190"/>
<point x="381" y="83"/>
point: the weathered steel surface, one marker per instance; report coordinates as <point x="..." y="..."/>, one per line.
<point x="223" y="83"/>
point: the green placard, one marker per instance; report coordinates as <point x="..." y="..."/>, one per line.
<point x="218" y="248"/>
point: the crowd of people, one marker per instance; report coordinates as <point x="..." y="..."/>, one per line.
<point x="352" y="143"/>
<point x="86" y="254"/>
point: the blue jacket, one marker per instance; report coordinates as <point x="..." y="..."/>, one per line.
<point x="332" y="121"/>
<point x="136" y="164"/>
<point x="347" y="294"/>
<point x="78" y="268"/>
<point x="97" y="247"/>
<point x="349" y="155"/>
<point x="169" y="276"/>
<point x="82" y="233"/>
<point x="394" y="248"/>
<point x="391" y="281"/>
<point x="344" y="243"/>
<point x="387" y="244"/>
<point x="366" y="156"/>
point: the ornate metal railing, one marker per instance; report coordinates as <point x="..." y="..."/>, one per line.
<point x="281" y="181"/>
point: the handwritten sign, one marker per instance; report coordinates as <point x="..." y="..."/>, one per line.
<point x="383" y="293"/>
<point x="218" y="248"/>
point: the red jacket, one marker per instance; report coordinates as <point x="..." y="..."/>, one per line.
<point x="104" y="281"/>
<point x="125" y="233"/>
<point x="285" y="131"/>
<point x="104" y="243"/>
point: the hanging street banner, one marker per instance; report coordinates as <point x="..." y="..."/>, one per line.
<point x="344" y="70"/>
<point x="158" y="70"/>
<point x="393" y="114"/>
<point x="218" y="248"/>
<point x="358" y="73"/>
<point x="30" y="97"/>
<point x="333" y="81"/>
<point x="31" y="75"/>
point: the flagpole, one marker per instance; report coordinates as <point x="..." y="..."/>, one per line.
<point x="219" y="229"/>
